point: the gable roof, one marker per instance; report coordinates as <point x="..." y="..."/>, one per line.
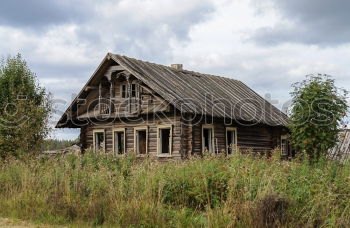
<point x="192" y="92"/>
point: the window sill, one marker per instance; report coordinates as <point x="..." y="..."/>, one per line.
<point x="164" y="155"/>
<point x="120" y="155"/>
<point x="141" y="155"/>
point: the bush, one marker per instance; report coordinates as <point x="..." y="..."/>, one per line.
<point x="24" y="109"/>
<point x="318" y="109"/>
<point x="272" y="211"/>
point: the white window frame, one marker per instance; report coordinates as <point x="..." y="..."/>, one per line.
<point x="113" y="132"/>
<point x="209" y="126"/>
<point x="94" y="138"/>
<point x="136" y="129"/>
<point x="236" y="142"/>
<point x="159" y="142"/>
<point x="284" y="137"/>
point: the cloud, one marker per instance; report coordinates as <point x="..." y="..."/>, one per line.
<point x="312" y="22"/>
<point x="138" y="28"/>
<point x="64" y="41"/>
<point x="143" y="28"/>
<point x="73" y="46"/>
<point x="38" y="13"/>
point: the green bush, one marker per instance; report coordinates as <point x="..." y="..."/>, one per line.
<point x="318" y="108"/>
<point x="24" y="109"/>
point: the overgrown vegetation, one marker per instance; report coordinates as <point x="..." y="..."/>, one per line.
<point x="24" y="109"/>
<point x="318" y="109"/>
<point x="240" y="191"/>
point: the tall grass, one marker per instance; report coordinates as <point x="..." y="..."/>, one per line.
<point x="239" y="191"/>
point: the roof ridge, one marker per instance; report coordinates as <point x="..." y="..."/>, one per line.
<point x="193" y="73"/>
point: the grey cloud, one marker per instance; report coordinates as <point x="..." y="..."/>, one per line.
<point x="149" y="37"/>
<point x="38" y="13"/>
<point x="140" y="32"/>
<point x="319" y="22"/>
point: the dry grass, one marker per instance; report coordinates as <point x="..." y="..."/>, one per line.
<point x="242" y="191"/>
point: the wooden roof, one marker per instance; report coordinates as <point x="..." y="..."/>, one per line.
<point x="192" y="92"/>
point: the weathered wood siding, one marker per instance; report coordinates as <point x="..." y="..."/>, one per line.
<point x="146" y="100"/>
<point x="257" y="138"/>
<point x="152" y="124"/>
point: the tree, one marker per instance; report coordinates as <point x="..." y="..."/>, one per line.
<point x="318" y="107"/>
<point x="24" y="108"/>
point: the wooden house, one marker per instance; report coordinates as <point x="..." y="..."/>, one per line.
<point x="133" y="106"/>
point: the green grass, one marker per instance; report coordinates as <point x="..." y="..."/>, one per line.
<point x="242" y="191"/>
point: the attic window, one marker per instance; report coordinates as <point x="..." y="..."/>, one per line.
<point x="124" y="91"/>
<point x="133" y="90"/>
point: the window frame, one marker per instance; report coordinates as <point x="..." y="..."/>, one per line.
<point x="209" y="126"/>
<point x="126" y="90"/>
<point x="94" y="139"/>
<point x="284" y="137"/>
<point x="129" y="90"/>
<point x="136" y="129"/>
<point x="135" y="91"/>
<point x="236" y="141"/>
<point x="113" y="143"/>
<point x="159" y="128"/>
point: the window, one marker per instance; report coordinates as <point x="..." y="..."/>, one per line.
<point x="141" y="140"/>
<point x="208" y="138"/>
<point x="104" y="108"/>
<point x="284" y="145"/>
<point x="164" y="140"/>
<point x="124" y="91"/>
<point x="119" y="141"/>
<point x="231" y="140"/>
<point x="133" y="90"/>
<point x="99" y="140"/>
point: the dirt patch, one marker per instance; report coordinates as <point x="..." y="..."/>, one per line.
<point x="15" y="223"/>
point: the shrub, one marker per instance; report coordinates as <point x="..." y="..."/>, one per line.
<point x="318" y="108"/>
<point x="24" y="109"/>
<point x="272" y="211"/>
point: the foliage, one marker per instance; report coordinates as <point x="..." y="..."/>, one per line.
<point x="240" y="191"/>
<point x="318" y="108"/>
<point x="56" y="144"/>
<point x="24" y="108"/>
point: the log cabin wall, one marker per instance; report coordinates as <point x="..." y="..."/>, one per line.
<point x="129" y="126"/>
<point x="256" y="138"/>
<point x="187" y="135"/>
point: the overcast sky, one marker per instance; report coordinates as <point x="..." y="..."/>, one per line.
<point x="267" y="44"/>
